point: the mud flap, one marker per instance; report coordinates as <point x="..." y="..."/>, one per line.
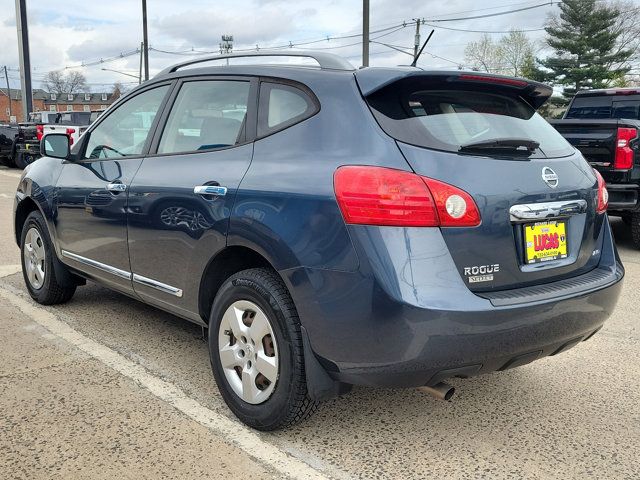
<point x="320" y="385"/>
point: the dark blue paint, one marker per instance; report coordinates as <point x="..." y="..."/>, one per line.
<point x="381" y="305"/>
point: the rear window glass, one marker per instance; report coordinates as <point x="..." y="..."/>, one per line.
<point x="449" y="119"/>
<point x="601" y="107"/>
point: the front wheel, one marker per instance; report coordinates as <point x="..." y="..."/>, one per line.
<point x="256" y="352"/>
<point x="38" y="257"/>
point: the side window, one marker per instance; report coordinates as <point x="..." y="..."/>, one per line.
<point x="124" y="132"/>
<point x="207" y="114"/>
<point x="282" y="106"/>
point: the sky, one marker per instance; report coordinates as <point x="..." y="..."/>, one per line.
<point x="69" y="33"/>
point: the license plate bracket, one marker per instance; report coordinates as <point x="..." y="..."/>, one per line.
<point x="545" y="241"/>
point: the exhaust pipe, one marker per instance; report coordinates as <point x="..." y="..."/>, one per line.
<point x="441" y="391"/>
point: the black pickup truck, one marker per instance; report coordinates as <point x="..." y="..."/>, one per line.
<point x="605" y="126"/>
<point x="8" y="135"/>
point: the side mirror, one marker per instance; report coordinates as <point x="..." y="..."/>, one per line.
<point x="55" y="145"/>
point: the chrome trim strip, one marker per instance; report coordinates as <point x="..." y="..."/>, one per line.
<point x="100" y="266"/>
<point x="548" y="210"/>
<point x="163" y="287"/>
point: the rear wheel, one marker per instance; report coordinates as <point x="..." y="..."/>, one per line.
<point x="256" y="351"/>
<point x="38" y="259"/>
<point x="635" y="229"/>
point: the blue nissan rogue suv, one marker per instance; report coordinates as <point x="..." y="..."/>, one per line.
<point x="330" y="226"/>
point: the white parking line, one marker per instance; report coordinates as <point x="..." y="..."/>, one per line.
<point x="10" y="173"/>
<point x="229" y="430"/>
<point x="6" y="270"/>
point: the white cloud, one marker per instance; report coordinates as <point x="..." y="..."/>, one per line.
<point x="73" y="31"/>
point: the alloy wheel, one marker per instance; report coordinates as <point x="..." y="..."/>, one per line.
<point x="248" y="352"/>
<point x="34" y="258"/>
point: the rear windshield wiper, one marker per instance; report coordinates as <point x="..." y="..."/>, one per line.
<point x="510" y="145"/>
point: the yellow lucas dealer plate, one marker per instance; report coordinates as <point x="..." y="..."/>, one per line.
<point x="545" y="241"/>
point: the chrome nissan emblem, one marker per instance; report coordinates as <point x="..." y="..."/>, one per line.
<point x="550" y="177"/>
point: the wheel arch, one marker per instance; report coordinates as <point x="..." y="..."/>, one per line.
<point x="23" y="209"/>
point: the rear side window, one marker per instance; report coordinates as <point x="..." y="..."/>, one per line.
<point x="446" y="118"/>
<point x="206" y="115"/>
<point x="282" y="106"/>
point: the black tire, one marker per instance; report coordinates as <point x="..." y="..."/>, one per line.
<point x="635" y="229"/>
<point x="52" y="291"/>
<point x="21" y="160"/>
<point x="289" y="402"/>
<point x="626" y="218"/>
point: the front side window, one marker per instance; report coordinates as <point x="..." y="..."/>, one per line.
<point x="124" y="132"/>
<point x="282" y="106"/>
<point x="206" y="115"/>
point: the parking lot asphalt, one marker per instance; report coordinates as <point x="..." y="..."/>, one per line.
<point x="107" y="387"/>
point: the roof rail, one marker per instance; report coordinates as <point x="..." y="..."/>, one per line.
<point x="328" y="61"/>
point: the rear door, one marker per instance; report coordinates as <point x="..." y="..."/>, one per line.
<point x="535" y="193"/>
<point x="181" y="198"/>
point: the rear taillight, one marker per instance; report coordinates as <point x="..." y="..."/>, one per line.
<point x="603" y="194"/>
<point x="39" y="132"/>
<point x="384" y="196"/>
<point x="624" y="152"/>
<point x="70" y="132"/>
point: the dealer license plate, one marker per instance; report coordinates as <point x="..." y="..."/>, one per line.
<point x="545" y="241"/>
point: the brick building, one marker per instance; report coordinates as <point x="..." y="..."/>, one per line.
<point x="51" y="102"/>
<point x="78" y="102"/>
<point x="39" y="97"/>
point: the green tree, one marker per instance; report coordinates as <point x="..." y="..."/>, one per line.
<point x="584" y="38"/>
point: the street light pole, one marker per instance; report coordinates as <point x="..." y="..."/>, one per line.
<point x="145" y="39"/>
<point x="6" y="77"/>
<point x="365" y="33"/>
<point x="25" y="60"/>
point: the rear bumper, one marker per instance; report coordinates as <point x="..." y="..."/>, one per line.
<point x="623" y="197"/>
<point x="386" y="325"/>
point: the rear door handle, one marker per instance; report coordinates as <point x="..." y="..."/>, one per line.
<point x="216" y="190"/>
<point x="116" y="187"/>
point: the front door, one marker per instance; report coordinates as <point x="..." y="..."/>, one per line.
<point x="91" y="192"/>
<point x="181" y="198"/>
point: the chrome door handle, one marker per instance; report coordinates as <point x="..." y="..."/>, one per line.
<point x="116" y="187"/>
<point x="210" y="190"/>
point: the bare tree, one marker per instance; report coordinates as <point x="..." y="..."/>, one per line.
<point x="117" y="90"/>
<point x="627" y="28"/>
<point x="483" y="55"/>
<point x="60" y="83"/>
<point x="515" y="51"/>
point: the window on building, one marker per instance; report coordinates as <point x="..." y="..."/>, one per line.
<point x="70" y="97"/>
<point x="87" y="97"/>
<point x="104" y="97"/>
<point x="69" y="108"/>
<point x="52" y="108"/>
<point x="87" y="108"/>
<point x="54" y="97"/>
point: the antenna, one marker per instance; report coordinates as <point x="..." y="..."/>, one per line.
<point x="415" y="60"/>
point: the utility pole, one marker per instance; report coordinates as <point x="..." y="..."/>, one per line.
<point x="416" y="43"/>
<point x="226" y="46"/>
<point x="25" y="60"/>
<point x="365" y="33"/>
<point x="6" y="77"/>
<point x="141" y="56"/>
<point x="145" y="40"/>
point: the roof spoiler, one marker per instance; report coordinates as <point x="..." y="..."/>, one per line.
<point x="371" y="80"/>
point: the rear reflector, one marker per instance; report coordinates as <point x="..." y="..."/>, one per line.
<point x="384" y="196"/>
<point x="603" y="193"/>
<point x="39" y="132"/>
<point x="490" y="79"/>
<point x="624" y="153"/>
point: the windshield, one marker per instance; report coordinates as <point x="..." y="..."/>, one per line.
<point x="451" y="119"/>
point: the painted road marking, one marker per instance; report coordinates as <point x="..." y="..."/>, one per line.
<point x="10" y="173"/>
<point x="229" y="430"/>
